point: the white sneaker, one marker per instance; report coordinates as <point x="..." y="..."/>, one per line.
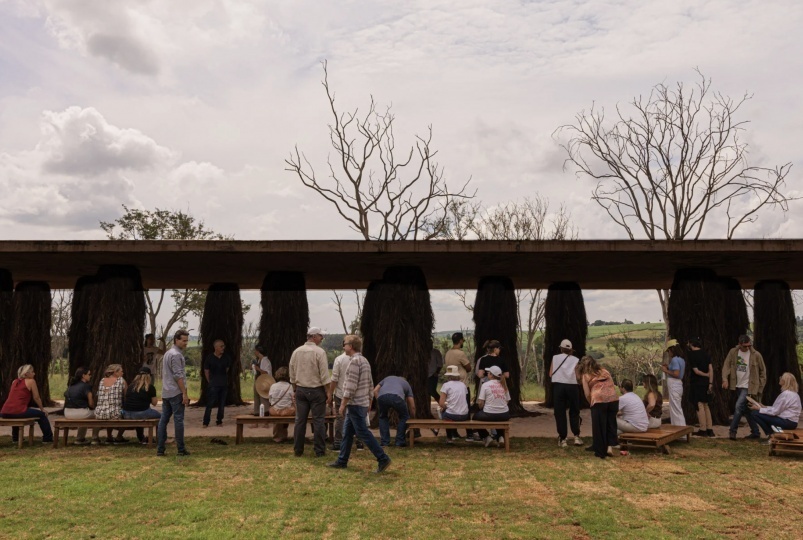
<point x="562" y="443"/>
<point x="500" y="442"/>
<point x="449" y="440"/>
<point x="488" y="441"/>
<point x="578" y="441"/>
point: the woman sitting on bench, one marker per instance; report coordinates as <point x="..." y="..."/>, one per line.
<point x="282" y="402"/>
<point x="453" y="401"/>
<point x="784" y="413"/>
<point x="653" y="401"/>
<point x="492" y="399"/>
<point x="23" y="390"/>
<point x="139" y="397"/>
<point x="110" y="401"/>
<point x="78" y="403"/>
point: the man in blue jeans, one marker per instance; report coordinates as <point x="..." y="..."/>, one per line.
<point x="174" y="393"/>
<point x="745" y="373"/>
<point x="394" y="393"/>
<point x="355" y="402"/>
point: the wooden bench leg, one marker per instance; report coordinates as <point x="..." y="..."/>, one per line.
<point x="150" y="436"/>
<point x="20" y="436"/>
<point x="239" y="437"/>
<point x="30" y="434"/>
<point x="412" y="436"/>
<point x="66" y="436"/>
<point x="507" y="441"/>
<point x="55" y="438"/>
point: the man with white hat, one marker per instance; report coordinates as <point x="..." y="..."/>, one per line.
<point x="566" y="393"/>
<point x="309" y="375"/>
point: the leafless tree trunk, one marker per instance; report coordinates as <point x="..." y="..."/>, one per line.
<point x="382" y="192"/>
<point x="672" y="165"/>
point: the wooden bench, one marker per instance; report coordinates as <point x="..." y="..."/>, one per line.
<point x="790" y="447"/>
<point x="20" y="423"/>
<point x="94" y="423"/>
<point x="243" y="419"/>
<point x="658" y="438"/>
<point x="434" y="423"/>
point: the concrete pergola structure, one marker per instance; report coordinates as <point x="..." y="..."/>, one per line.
<point x="593" y="264"/>
<point x="342" y="264"/>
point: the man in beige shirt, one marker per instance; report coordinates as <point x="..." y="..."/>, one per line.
<point x="456" y="357"/>
<point x="309" y="375"/>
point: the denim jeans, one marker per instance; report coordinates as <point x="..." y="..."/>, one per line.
<point x="740" y="410"/>
<point x="490" y="417"/>
<point x="445" y="415"/>
<point x="387" y="402"/>
<point x="173" y="406"/>
<point x="215" y="395"/>
<point x="355" y="425"/>
<point x="310" y="400"/>
<point x="141" y="415"/>
<point x="766" y="422"/>
<point x="41" y="419"/>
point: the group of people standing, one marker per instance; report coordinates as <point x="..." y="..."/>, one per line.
<point x="611" y="413"/>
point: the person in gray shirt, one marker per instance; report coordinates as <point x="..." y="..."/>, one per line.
<point x="174" y="393"/>
<point x="394" y="393"/>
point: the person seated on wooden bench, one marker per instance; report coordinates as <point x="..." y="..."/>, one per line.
<point x="282" y="401"/>
<point x="139" y="397"/>
<point x="632" y="416"/>
<point x="23" y="390"/>
<point x="492" y="400"/>
<point x="453" y="401"/>
<point x="784" y="413"/>
<point x="78" y="403"/>
<point x="110" y="401"/>
<point x="653" y="401"/>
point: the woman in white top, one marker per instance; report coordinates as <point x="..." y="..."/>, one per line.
<point x="453" y="401"/>
<point x="785" y="412"/>
<point x="566" y="393"/>
<point x="282" y="402"/>
<point x="492" y="399"/>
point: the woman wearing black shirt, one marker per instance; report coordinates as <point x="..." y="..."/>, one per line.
<point x="491" y="358"/>
<point x="701" y="383"/>
<point x="79" y="402"/>
<point x="139" y="397"/>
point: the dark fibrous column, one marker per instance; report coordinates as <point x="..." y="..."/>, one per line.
<point x="285" y="316"/>
<point x="775" y="334"/>
<point x="7" y="371"/>
<point x="496" y="317"/>
<point x="30" y="334"/>
<point x="116" y="312"/>
<point x="78" y="340"/>
<point x="401" y="322"/>
<point x="703" y="305"/>
<point x="223" y="319"/>
<point x="565" y="318"/>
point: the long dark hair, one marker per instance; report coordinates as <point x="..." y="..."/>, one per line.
<point x="79" y="373"/>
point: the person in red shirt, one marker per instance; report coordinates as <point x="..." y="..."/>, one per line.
<point x="23" y="390"/>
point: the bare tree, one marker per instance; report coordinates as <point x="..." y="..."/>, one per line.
<point x="672" y="165"/>
<point x="637" y="356"/>
<point x="354" y="326"/>
<point x="528" y="219"/>
<point x="61" y="310"/>
<point x="384" y="193"/>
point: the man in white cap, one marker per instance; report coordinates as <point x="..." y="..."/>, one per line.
<point x="566" y="393"/>
<point x="309" y="375"/>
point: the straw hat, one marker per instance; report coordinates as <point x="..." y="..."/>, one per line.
<point x="263" y="384"/>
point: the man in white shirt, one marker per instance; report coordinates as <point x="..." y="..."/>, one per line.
<point x="566" y="393"/>
<point x="632" y="416"/>
<point x="309" y="375"/>
<point x="339" y="368"/>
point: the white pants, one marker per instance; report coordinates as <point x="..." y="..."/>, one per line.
<point x="81" y="414"/>
<point x="675" y="396"/>
<point x="623" y="426"/>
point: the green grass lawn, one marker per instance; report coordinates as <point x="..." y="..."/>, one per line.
<point x="709" y="489"/>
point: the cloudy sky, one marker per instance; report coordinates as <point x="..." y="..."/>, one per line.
<point x="195" y="105"/>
